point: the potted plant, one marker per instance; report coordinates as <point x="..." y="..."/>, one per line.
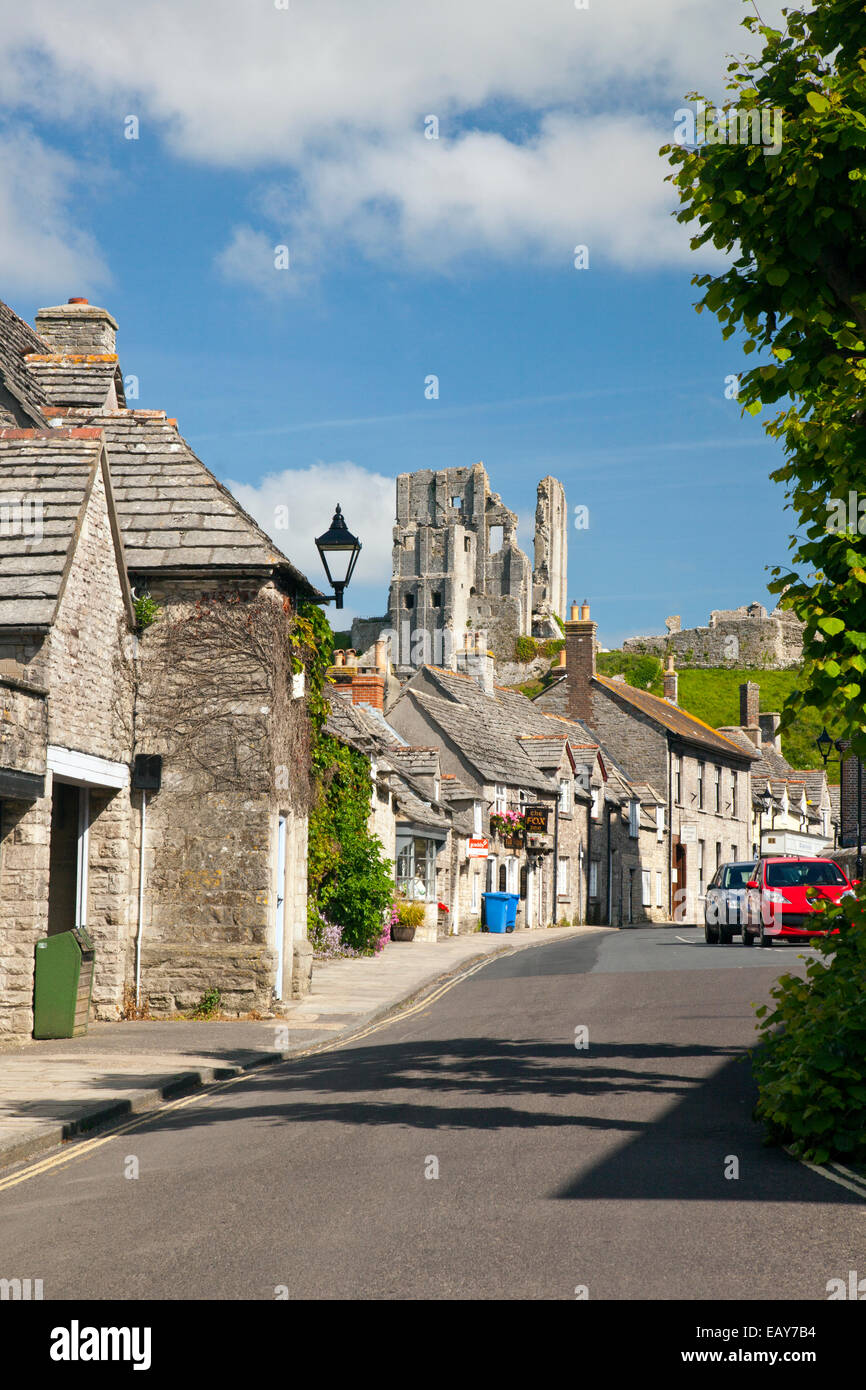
<point x="508" y="825"/>
<point x="405" y="919"/>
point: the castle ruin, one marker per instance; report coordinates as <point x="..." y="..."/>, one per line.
<point x="748" y="636"/>
<point x="457" y="568"/>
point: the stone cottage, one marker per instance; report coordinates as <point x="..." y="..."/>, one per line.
<point x="701" y="777"/>
<point x="153" y="762"/>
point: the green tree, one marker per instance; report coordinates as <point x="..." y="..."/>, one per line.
<point x="793" y="223"/>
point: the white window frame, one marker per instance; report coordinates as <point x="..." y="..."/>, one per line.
<point x="477" y="812"/>
<point x="633" y="818"/>
<point x="646" y="888"/>
<point x="660" y="888"/>
<point x="500" y="798"/>
<point x="596" y="802"/>
<point x="475" y="899"/>
<point x="565" y="796"/>
<point x="563" y="876"/>
<point x="593" y="879"/>
<point x="660" y="824"/>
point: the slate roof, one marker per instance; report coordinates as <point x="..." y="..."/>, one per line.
<point x="353" y="725"/>
<point x="677" y="721"/>
<point x="174" y="514"/>
<point x="16" y="339"/>
<point x="493" y="751"/>
<point x="75" y="379"/>
<point x="54" y="470"/>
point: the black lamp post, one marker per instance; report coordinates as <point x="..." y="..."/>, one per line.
<point x="824" y="744"/>
<point x="343" y="549"/>
<point x="767" y="805"/>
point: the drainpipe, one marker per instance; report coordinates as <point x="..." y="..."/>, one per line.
<point x="588" y="851"/>
<point x="609" y="914"/>
<point x="140" y="901"/>
<point x="670" y="833"/>
<point x="555" y="857"/>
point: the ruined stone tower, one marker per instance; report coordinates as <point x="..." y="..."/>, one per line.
<point x="457" y="567"/>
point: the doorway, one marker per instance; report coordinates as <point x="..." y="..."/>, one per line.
<point x="68" y="857"/>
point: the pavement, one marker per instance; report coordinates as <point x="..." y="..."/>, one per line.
<point x="51" y="1091"/>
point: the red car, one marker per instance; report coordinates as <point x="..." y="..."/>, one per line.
<point x="783" y="898"/>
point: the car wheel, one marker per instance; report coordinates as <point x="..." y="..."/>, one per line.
<point x="711" y="932"/>
<point x="726" y="936"/>
<point x="748" y="939"/>
<point x="763" y="939"/>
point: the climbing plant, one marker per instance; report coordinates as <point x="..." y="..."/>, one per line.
<point x="349" y="882"/>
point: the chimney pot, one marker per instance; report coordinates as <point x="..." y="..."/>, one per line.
<point x="671" y="681"/>
<point x="77" y="300"/>
<point x="575" y="610"/>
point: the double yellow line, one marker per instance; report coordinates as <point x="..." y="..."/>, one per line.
<point x="209" y="1093"/>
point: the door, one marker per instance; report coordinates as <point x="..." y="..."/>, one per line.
<point x="281" y="914"/>
<point x="68" y="857"/>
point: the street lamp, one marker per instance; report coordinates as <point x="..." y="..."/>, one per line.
<point x="344" y="549"/>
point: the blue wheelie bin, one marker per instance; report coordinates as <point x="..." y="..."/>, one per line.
<point x="496" y="907"/>
<point x="511" y="920"/>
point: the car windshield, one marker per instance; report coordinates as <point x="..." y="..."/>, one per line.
<point x="801" y="872"/>
<point x="737" y="875"/>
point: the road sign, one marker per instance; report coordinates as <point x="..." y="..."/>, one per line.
<point x="689" y="833"/>
<point x="478" y="847"/>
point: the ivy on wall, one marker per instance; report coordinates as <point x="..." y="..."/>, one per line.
<point x="349" y="882"/>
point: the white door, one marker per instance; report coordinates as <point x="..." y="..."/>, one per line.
<point x="83" y="856"/>
<point x="281" y="889"/>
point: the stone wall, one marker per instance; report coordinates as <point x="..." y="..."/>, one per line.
<point x="23" y="727"/>
<point x="747" y="637"/>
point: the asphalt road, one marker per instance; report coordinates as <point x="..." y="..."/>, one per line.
<point x="558" y="1166"/>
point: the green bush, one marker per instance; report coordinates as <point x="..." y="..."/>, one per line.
<point x="209" y="1004"/>
<point x="525" y="649"/>
<point x="811" y="1069"/>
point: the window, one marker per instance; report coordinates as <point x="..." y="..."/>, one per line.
<point x="436" y="599"/>
<point x="408" y="600"/>
<point x="660" y="823"/>
<point x="633" y="818"/>
<point x="491" y="868"/>
<point x="475" y="878"/>
<point x="565" y="796"/>
<point x="562" y="878"/>
<point x="456" y="502"/>
<point x="477" y="814"/>
<point x="499" y="803"/>
<point x="596" y="802"/>
<point x="733" y="851"/>
<point x="646" y="888"/>
<point x="718" y="853"/>
<point x="593" y="878"/>
<point x="437" y="789"/>
<point x="678" y="780"/>
<point x="734" y="795"/>
<point x="660" y="888"/>
<point x="717" y="789"/>
<point x="700" y="786"/>
<point x="494" y="539"/>
<point x="416" y="867"/>
<point x="467" y="546"/>
<point x="503" y="879"/>
<point x="701" y="883"/>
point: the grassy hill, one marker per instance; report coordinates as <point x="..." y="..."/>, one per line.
<point x="714" y="696"/>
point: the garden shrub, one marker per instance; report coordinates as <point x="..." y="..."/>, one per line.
<point x="811" y="1068"/>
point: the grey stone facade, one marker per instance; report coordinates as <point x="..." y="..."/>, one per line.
<point x="122" y="503"/>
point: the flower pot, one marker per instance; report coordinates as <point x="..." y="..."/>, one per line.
<point x="399" y="933"/>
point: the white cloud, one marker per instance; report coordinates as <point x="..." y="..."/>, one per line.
<point x="259" y="261"/>
<point x="41" y="251"/>
<point x="336" y="93"/>
<point x="297" y="505"/>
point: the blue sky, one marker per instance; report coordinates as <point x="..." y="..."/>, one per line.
<point x="408" y="257"/>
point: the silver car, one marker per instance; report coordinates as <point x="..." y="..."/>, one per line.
<point x="726" y="902"/>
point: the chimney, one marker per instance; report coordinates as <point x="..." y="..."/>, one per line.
<point x="581" y="647"/>
<point x="77" y="327"/>
<point x="365" y="687"/>
<point x="476" y="661"/>
<point x="750" y="699"/>
<point x="769" y="726"/>
<point x="671" y="680"/>
<point x="560" y="659"/>
<point x="380" y="655"/>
